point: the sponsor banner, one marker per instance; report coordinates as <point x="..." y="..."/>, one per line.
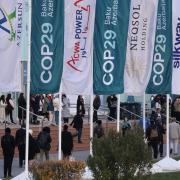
<point x="176" y="47"/>
<point x="78" y="42"/>
<point x="140" y="46"/>
<point x="47" y="45"/>
<point x="110" y="40"/>
<point x="10" y="40"/>
<point x="161" y="75"/>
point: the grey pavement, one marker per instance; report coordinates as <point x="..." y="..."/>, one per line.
<point x="78" y="155"/>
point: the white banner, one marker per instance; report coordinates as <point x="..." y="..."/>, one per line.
<point x="10" y="38"/>
<point x="140" y="46"/>
<point x="176" y="47"/>
<point x="77" y="75"/>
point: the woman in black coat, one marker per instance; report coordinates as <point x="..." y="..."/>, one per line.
<point x="80" y="105"/>
<point x="21" y="108"/>
<point x="67" y="142"/>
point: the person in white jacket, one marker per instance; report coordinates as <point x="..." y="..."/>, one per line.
<point x="174" y="135"/>
<point x="2" y="109"/>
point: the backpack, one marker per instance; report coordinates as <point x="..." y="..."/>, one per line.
<point x="99" y="132"/>
<point x="43" y="141"/>
<point x="154" y="133"/>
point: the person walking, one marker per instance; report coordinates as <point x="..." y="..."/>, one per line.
<point x="9" y="107"/>
<point x="174" y="135"/>
<point x="50" y="108"/>
<point x="177" y="109"/>
<point x="65" y="108"/>
<point x="78" y="125"/>
<point x="21" y="108"/>
<point x="56" y="108"/>
<point x="112" y="105"/>
<point x="67" y="142"/>
<point x="80" y="105"/>
<point x="2" y="109"/>
<point x="44" y="140"/>
<point x="20" y="139"/>
<point x="99" y="130"/>
<point x="8" y="146"/>
<point x="153" y="138"/>
<point x="96" y="105"/>
<point x="45" y="107"/>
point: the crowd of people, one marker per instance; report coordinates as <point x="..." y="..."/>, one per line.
<point x="48" y="106"/>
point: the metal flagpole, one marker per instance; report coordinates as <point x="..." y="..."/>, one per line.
<point x="60" y="125"/>
<point x="118" y="112"/>
<point x="91" y="124"/>
<point x="28" y="86"/>
<point x="167" y="125"/>
<point x="144" y="112"/>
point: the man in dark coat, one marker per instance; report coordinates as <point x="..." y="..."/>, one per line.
<point x="44" y="140"/>
<point x="78" y="125"/>
<point x="8" y="146"/>
<point x="96" y="105"/>
<point x="67" y="142"/>
<point x="20" y="139"/>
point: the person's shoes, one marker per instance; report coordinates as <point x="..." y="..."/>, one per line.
<point x="79" y="141"/>
<point x="13" y="122"/>
<point x="161" y="155"/>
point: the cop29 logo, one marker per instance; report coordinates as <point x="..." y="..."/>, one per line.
<point x="7" y="30"/>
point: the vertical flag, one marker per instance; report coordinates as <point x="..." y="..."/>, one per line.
<point x="161" y="75"/>
<point x="47" y="45"/>
<point x="110" y="40"/>
<point x="176" y="47"/>
<point x="140" y="46"/>
<point x="10" y="45"/>
<point x="78" y="42"/>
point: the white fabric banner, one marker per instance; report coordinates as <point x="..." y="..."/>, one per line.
<point x="77" y="75"/>
<point x="140" y="46"/>
<point x="176" y="47"/>
<point x="10" y="38"/>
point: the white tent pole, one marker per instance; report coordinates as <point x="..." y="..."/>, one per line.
<point x="167" y="125"/>
<point x="118" y="112"/>
<point x="144" y="112"/>
<point x="91" y="124"/>
<point x="28" y="86"/>
<point x="60" y="125"/>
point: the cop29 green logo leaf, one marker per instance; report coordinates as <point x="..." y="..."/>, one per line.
<point x="6" y="24"/>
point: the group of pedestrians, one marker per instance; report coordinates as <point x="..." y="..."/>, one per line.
<point x="40" y="144"/>
<point x="6" y="109"/>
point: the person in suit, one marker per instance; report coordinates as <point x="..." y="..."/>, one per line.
<point x="67" y="142"/>
<point x="8" y="146"/>
<point x="20" y="139"/>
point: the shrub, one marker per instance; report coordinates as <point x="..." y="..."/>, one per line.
<point x="119" y="157"/>
<point x="57" y="170"/>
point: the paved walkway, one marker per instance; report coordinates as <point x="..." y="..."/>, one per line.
<point x="78" y="155"/>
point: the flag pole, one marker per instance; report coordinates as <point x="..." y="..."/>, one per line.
<point x="144" y="112"/>
<point x="28" y="86"/>
<point x="91" y="124"/>
<point x="60" y="125"/>
<point x="118" y="112"/>
<point x="167" y="125"/>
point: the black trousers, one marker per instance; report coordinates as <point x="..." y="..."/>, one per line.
<point x="95" y="116"/>
<point x="8" y="164"/>
<point x="154" y="145"/>
<point x="161" y="147"/>
<point x="11" y="116"/>
<point x="21" y="149"/>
